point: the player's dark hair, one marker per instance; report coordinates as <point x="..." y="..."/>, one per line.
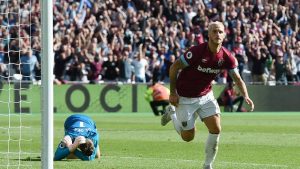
<point x="87" y="148"/>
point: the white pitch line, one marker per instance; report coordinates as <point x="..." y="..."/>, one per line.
<point x="185" y="160"/>
<point x="254" y="164"/>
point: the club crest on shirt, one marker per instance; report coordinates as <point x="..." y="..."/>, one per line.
<point x="220" y="62"/>
<point x="62" y="145"/>
<point x="189" y="55"/>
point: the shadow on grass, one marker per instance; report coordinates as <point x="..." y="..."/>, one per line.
<point x="31" y="159"/>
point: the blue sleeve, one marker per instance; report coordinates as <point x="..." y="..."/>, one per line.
<point x="191" y="56"/>
<point x="183" y="60"/>
<point x="61" y="152"/>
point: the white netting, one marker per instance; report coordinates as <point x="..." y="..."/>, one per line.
<point x="19" y="68"/>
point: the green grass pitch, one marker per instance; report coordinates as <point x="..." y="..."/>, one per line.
<point x="137" y="141"/>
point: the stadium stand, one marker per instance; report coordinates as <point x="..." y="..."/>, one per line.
<point x="109" y="40"/>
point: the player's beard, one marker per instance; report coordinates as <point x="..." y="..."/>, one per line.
<point x="217" y="42"/>
<point x="215" y="45"/>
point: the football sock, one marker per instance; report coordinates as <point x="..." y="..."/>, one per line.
<point x="211" y="148"/>
<point x="176" y="123"/>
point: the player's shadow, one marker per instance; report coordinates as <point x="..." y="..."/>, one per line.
<point x="30" y="159"/>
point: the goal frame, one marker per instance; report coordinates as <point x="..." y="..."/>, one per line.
<point x="47" y="59"/>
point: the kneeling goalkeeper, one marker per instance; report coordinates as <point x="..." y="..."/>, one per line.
<point x="81" y="139"/>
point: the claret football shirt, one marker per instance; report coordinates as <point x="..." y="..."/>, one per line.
<point x="202" y="67"/>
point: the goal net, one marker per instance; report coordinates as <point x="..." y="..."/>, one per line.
<point x="20" y="51"/>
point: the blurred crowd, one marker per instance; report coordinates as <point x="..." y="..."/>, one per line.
<point x="136" y="41"/>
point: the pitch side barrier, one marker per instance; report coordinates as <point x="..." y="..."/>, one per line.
<point x="111" y="98"/>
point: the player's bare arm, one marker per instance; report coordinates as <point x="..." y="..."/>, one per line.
<point x="174" y="69"/>
<point x="78" y="140"/>
<point x="242" y="87"/>
<point x="72" y="147"/>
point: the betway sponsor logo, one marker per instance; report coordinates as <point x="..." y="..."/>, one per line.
<point x="208" y="70"/>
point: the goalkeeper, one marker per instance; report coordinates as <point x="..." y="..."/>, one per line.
<point x="81" y="139"/>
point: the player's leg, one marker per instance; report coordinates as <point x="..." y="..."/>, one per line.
<point x="188" y="135"/>
<point x="169" y="115"/>
<point x="183" y="119"/>
<point x="210" y="115"/>
<point x="211" y="147"/>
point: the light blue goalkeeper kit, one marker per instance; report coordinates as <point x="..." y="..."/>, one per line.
<point x="78" y="125"/>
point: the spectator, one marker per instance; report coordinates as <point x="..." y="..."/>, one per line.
<point x="292" y="60"/>
<point x="60" y="66"/>
<point x="99" y="27"/>
<point x="95" y="72"/>
<point x="168" y="64"/>
<point x="110" y="69"/>
<point x="240" y="54"/>
<point x="28" y="64"/>
<point x="74" y="69"/>
<point x="280" y="68"/>
<point x="140" y="65"/>
<point x="2" y="65"/>
<point x="259" y="63"/>
<point x="125" y="67"/>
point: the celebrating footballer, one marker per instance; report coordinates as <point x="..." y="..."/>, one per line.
<point x="191" y="93"/>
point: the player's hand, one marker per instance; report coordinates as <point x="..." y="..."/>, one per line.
<point x="174" y="99"/>
<point x="250" y="103"/>
<point x="80" y="140"/>
<point x="67" y="141"/>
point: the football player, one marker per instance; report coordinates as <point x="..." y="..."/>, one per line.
<point x="81" y="139"/>
<point x="190" y="89"/>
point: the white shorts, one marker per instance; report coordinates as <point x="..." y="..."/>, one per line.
<point x="189" y="109"/>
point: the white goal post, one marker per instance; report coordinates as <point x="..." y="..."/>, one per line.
<point x="47" y="83"/>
